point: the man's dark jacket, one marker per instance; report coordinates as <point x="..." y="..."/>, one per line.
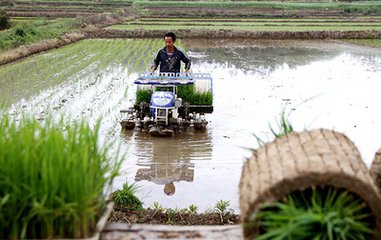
<point x="172" y="64"/>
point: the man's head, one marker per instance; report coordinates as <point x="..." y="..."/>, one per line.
<point x="169" y="39"/>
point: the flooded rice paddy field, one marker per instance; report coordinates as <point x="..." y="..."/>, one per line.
<point x="319" y="84"/>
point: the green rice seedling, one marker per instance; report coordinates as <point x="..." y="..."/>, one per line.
<point x="192" y="208"/>
<point x="222" y="208"/>
<point x="185" y="92"/>
<point x="316" y="213"/>
<point x="171" y="215"/>
<point x="126" y="197"/>
<point x="54" y="179"/>
<point x="143" y="95"/>
<point x="158" y="207"/>
<point x="188" y="94"/>
<point x="284" y="128"/>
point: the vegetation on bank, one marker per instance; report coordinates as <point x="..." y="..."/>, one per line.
<point x="365" y="42"/>
<point x="220" y="214"/>
<point x="34" y="31"/>
<point x="52" y="179"/>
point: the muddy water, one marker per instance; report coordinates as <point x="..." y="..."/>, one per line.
<point x="318" y="84"/>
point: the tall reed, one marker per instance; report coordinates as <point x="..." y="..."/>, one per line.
<point x="52" y="179"/>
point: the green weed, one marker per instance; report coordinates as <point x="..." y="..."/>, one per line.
<point x="316" y="213"/>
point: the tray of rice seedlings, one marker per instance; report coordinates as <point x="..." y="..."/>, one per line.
<point x="54" y="180"/>
<point x="315" y="213"/>
<point x="196" y="94"/>
<point x="309" y="185"/>
<point x="168" y="103"/>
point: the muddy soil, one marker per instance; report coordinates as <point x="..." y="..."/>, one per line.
<point x="152" y="216"/>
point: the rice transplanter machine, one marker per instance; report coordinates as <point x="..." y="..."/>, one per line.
<point x="167" y="112"/>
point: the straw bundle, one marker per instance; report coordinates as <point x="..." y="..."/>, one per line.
<point x="302" y="160"/>
<point x="375" y="169"/>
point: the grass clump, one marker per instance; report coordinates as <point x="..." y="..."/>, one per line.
<point x="52" y="179"/>
<point x="316" y="213"/>
<point x="126" y="198"/>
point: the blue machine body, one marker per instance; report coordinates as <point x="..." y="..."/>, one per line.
<point x="161" y="99"/>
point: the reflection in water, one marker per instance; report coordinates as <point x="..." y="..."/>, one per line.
<point x="327" y="85"/>
<point x="165" y="161"/>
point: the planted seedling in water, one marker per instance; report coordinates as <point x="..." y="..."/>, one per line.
<point x="192" y="208"/>
<point x="221" y="207"/>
